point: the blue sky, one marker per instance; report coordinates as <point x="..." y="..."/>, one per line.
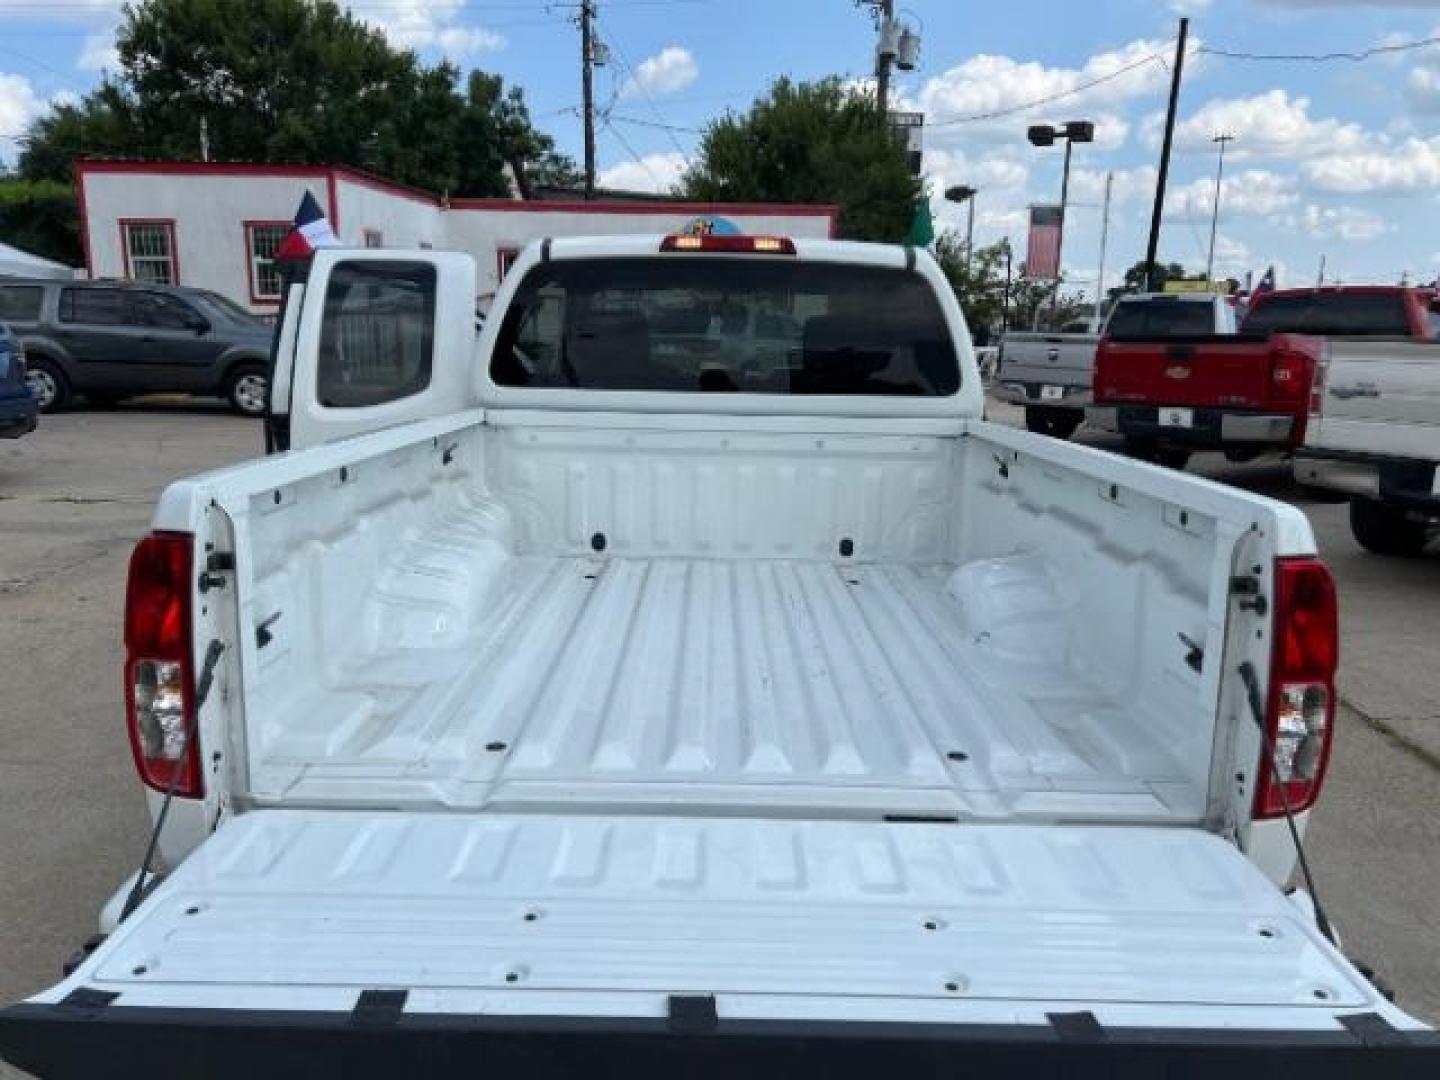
<point x="1338" y="159"/>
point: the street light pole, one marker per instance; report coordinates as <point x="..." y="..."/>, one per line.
<point x="1045" y="135"/>
<point x="1222" y="139"/>
<point x="966" y="194"/>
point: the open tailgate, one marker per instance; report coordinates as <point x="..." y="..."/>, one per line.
<point x="370" y="944"/>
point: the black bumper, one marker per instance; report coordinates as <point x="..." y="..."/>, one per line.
<point x="98" y="1039"/>
<point x="1210" y="428"/>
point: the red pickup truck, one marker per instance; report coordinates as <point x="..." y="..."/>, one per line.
<point x="1246" y="393"/>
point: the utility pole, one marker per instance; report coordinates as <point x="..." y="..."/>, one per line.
<point x="1158" y="212"/>
<point x="883" y="57"/>
<point x="1222" y="139"/>
<point x="1320" y="277"/>
<point x="587" y="93"/>
<point x="204" y="139"/>
<point x="1104" y="239"/>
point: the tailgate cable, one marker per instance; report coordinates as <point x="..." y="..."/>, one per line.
<point x="202" y="691"/>
<point x="1252" y="693"/>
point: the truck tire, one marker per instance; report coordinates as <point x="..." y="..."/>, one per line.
<point x="247" y="388"/>
<point x="1151" y="451"/>
<point x="47" y="383"/>
<point x="1048" y="420"/>
<point x="1386" y="530"/>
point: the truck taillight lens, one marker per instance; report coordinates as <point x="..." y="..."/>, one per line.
<point x="1289" y="374"/>
<point x="1300" y="716"/>
<point x="159" y="672"/>
<point x="1317" y="385"/>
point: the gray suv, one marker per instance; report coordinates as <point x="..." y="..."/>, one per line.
<point x="108" y="340"/>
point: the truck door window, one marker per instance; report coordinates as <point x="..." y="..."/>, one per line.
<point x="378" y="332"/>
<point x="735" y="325"/>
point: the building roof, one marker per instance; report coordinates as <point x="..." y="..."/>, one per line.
<point x="17" y="263"/>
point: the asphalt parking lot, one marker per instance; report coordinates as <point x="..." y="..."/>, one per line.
<point x="75" y="496"/>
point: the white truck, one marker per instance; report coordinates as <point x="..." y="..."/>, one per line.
<point x="1374" y="435"/>
<point x="580" y="698"/>
<point x="1053" y="375"/>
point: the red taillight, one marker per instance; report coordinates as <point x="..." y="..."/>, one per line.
<point x="159" y="670"/>
<point x="1300" y="714"/>
<point x="1289" y="375"/>
<point x="745" y="245"/>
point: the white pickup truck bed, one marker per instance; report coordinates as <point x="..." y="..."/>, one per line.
<point x="676" y="679"/>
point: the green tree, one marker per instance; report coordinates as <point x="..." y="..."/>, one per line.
<point x="289" y="81"/>
<point x="993" y="299"/>
<point x="40" y="216"/>
<point x="810" y="142"/>
<point x="1134" y="280"/>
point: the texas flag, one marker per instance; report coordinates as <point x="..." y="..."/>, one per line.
<point x="1267" y="283"/>
<point x="310" y="232"/>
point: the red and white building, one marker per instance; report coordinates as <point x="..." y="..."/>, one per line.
<point x="216" y="226"/>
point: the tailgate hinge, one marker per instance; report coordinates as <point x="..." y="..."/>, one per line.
<point x="378" y="1008"/>
<point x="87" y="999"/>
<point x="1077" y="1027"/>
<point x="693" y="1014"/>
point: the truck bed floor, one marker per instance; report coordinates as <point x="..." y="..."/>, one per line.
<point x="731" y="684"/>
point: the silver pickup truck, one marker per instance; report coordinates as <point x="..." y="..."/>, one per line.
<point x="1051" y="374"/>
<point x="1374" y="434"/>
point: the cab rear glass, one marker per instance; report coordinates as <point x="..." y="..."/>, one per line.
<point x="1330" y="313"/>
<point x="735" y="325"/>
<point x="1161" y="317"/>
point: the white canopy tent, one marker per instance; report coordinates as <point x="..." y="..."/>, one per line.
<point x="17" y="263"/>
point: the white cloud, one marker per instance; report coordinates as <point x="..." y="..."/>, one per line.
<point x="1272" y="124"/>
<point x="19" y="105"/>
<point x="653" y="172"/>
<point x="432" y="24"/>
<point x="671" y="69"/>
<point x="989" y="83"/>
<point x="1135" y="185"/>
<point x="1411" y="165"/>
<point x="1190" y="7"/>
<point x="99" y="52"/>
<point x="1343" y="223"/>
<point x="1252" y="192"/>
<point x="1232" y="257"/>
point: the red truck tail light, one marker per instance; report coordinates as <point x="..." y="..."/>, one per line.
<point x="1290" y="374"/>
<point x="743" y="245"/>
<point x="159" y="665"/>
<point x="1300" y="715"/>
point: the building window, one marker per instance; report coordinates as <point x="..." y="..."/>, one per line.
<point x="504" y="259"/>
<point x="374" y="238"/>
<point x="262" y="240"/>
<point x="150" y="251"/>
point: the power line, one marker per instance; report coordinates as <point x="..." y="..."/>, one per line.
<point x="637" y="122"/>
<point x="1061" y="95"/>
<point x="635" y="157"/>
<point x="1321" y="58"/>
<point x="639" y="85"/>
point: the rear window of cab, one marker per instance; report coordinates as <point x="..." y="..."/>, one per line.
<point x="732" y="325"/>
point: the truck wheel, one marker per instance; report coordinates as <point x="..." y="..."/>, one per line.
<point x="1386" y="530"/>
<point x="1151" y="451"/>
<point x="1048" y="420"/>
<point x="248" y="390"/>
<point x="47" y="384"/>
